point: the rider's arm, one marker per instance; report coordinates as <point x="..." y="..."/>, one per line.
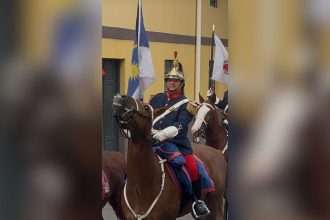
<point x="222" y="103"/>
<point x="184" y="119"/>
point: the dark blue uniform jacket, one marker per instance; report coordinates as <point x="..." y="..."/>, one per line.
<point x="179" y="118"/>
<point x="224" y="102"/>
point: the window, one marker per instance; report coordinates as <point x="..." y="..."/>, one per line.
<point x="214" y="3"/>
<point x="168" y="66"/>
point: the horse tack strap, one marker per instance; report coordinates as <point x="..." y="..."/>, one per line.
<point x="207" y="104"/>
<point x="226" y="147"/>
<point x="138" y="216"/>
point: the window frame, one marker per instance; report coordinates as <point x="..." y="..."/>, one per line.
<point x="168" y="65"/>
<point x="214" y="3"/>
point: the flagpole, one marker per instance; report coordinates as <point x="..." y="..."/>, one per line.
<point x="139" y="24"/>
<point x="198" y="48"/>
<point x="211" y="82"/>
<point x="139" y="33"/>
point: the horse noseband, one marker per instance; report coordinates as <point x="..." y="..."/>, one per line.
<point x="128" y="115"/>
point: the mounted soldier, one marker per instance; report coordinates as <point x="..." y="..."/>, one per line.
<point x="173" y="128"/>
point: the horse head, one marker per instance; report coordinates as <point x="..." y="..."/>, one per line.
<point x="134" y="115"/>
<point x="205" y="113"/>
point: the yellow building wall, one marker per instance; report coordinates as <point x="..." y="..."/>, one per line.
<point x="170" y="16"/>
<point x="219" y="17"/>
<point x="166" y="16"/>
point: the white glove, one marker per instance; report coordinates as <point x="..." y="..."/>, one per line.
<point x="217" y="100"/>
<point x="209" y="92"/>
<point x="166" y="133"/>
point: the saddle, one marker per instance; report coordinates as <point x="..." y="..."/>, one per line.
<point x="175" y="165"/>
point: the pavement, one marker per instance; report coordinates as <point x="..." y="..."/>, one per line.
<point x="108" y="214"/>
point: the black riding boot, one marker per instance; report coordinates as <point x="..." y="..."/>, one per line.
<point x="199" y="207"/>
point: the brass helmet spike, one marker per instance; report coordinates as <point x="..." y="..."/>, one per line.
<point x="177" y="71"/>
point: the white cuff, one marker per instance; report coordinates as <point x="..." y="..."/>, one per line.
<point x="209" y="93"/>
<point x="217" y="100"/>
<point x="170" y="132"/>
<point x="166" y="133"/>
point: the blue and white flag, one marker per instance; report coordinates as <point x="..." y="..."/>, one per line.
<point x="143" y="74"/>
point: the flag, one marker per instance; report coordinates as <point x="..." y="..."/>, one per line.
<point x="220" y="66"/>
<point x="142" y="73"/>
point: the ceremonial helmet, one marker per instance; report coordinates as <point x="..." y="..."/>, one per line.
<point x="176" y="71"/>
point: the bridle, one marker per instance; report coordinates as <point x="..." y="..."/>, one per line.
<point x="130" y="114"/>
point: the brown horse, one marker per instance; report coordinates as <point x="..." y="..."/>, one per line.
<point x="208" y="125"/>
<point x="114" y="167"/>
<point x="150" y="193"/>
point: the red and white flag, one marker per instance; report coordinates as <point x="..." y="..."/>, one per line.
<point x="220" y="66"/>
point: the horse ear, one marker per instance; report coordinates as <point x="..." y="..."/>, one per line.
<point x="201" y="99"/>
<point x="213" y="98"/>
<point x="192" y="107"/>
<point x="159" y="111"/>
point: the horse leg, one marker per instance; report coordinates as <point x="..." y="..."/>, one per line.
<point x="216" y="213"/>
<point x="166" y="218"/>
<point x="225" y="209"/>
<point x="216" y="207"/>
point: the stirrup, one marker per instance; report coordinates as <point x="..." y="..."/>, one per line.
<point x="200" y="202"/>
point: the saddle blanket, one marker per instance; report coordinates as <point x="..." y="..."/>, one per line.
<point x="179" y="173"/>
<point x="105" y="186"/>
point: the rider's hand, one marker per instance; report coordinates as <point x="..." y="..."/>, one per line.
<point x="209" y="92"/>
<point x="217" y="100"/>
<point x="166" y="133"/>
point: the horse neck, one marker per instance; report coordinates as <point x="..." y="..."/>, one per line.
<point x="215" y="133"/>
<point x="142" y="163"/>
